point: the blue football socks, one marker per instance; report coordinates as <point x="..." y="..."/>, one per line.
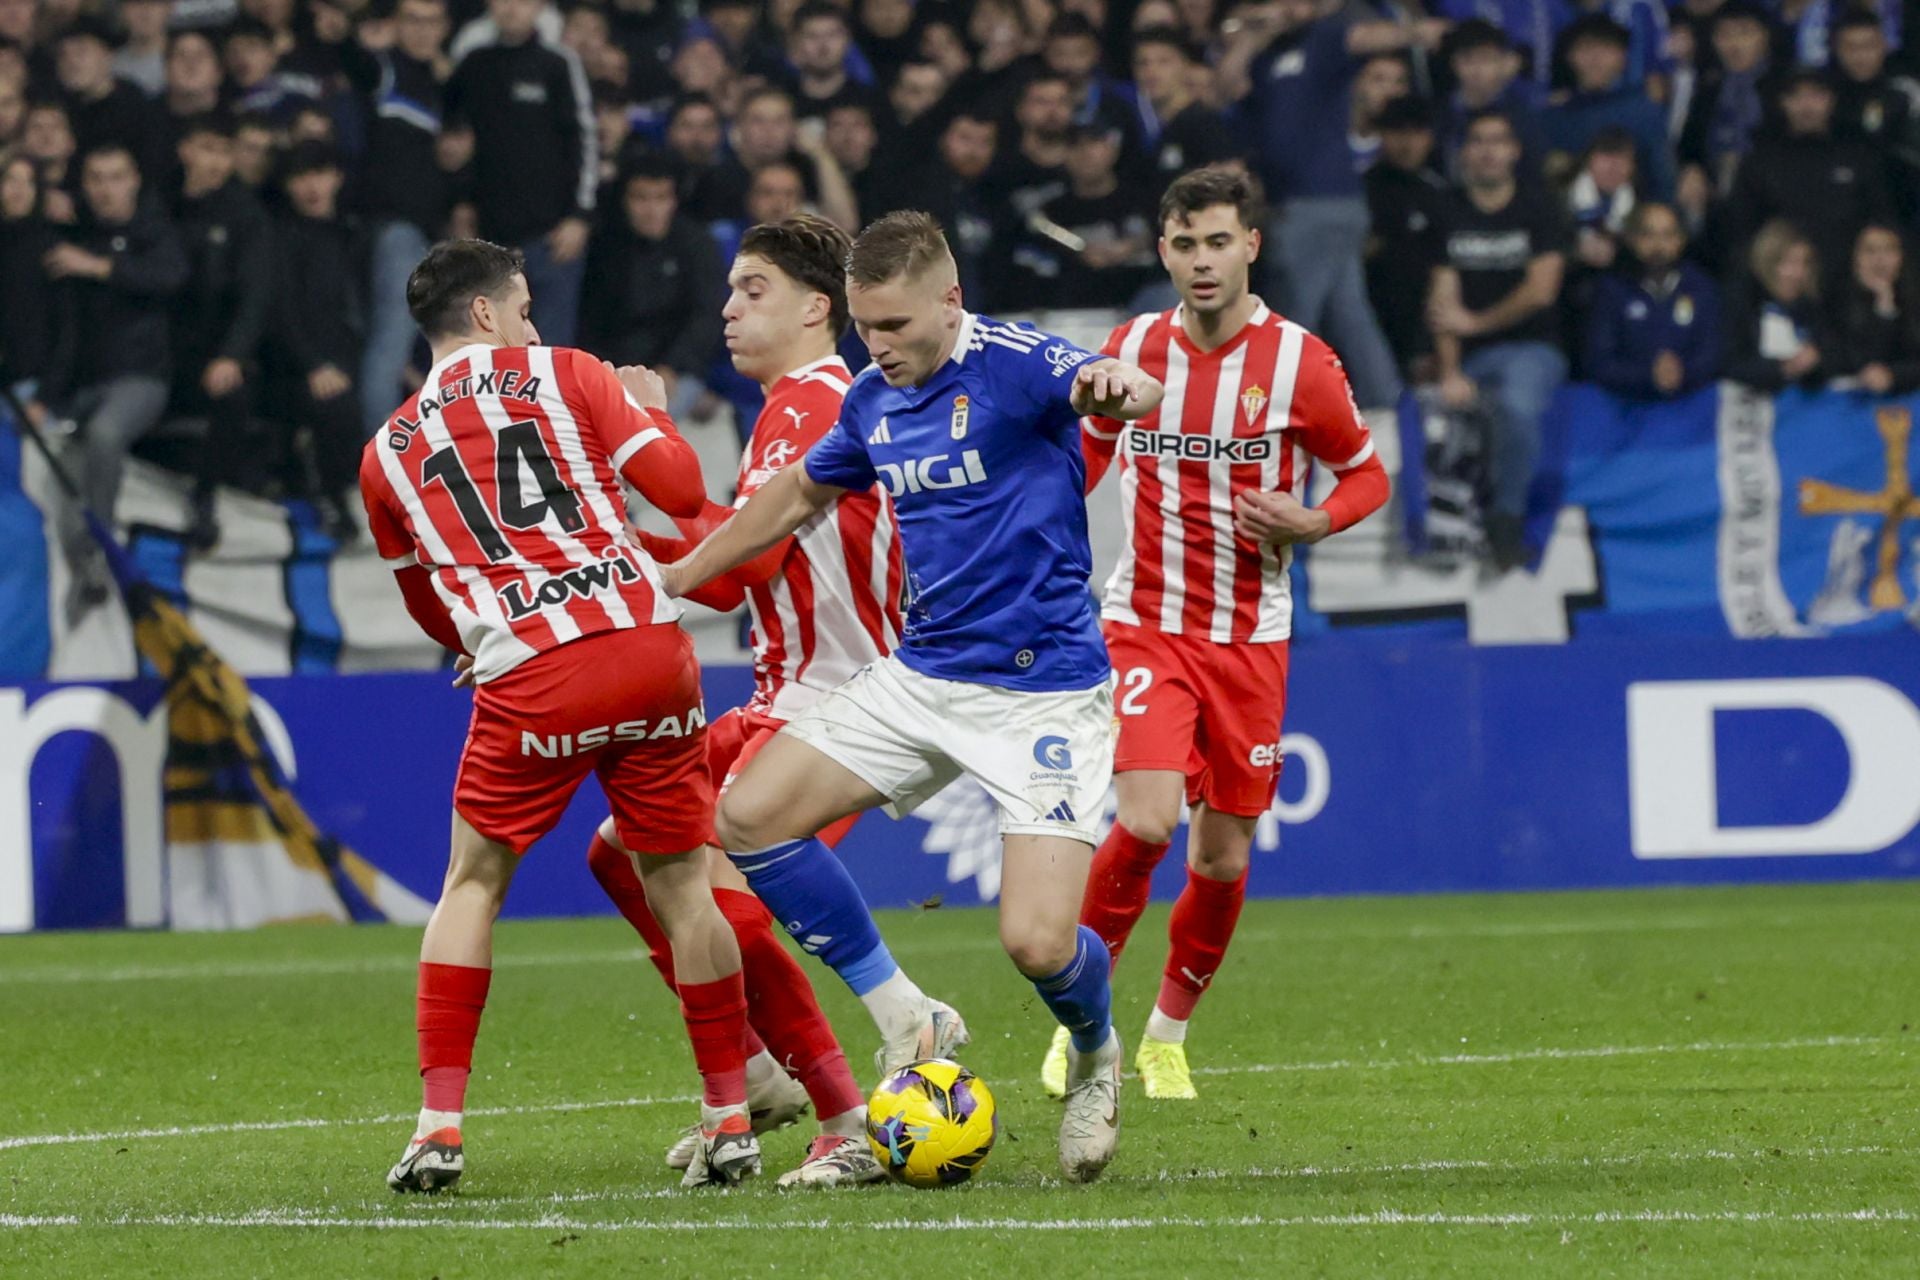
<point x="1080" y="995"/>
<point x="809" y="891"/>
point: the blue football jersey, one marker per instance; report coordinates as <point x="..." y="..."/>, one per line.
<point x="984" y="466"/>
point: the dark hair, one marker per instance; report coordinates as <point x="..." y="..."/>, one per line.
<point x="906" y="243"/>
<point x="1741" y="11"/>
<point x="1405" y="112"/>
<point x="1612" y="141"/>
<point x="88" y="27"/>
<point x="653" y="165"/>
<point x="1855" y="18"/>
<point x="217" y="123"/>
<point x="247" y="28"/>
<point x="1072" y="24"/>
<point x="451" y="276"/>
<point x="1491" y="113"/>
<point x="1595" y="26"/>
<point x="1636" y="221"/>
<point x="817" y="9"/>
<point x="761" y="94"/>
<point x="110" y="147"/>
<point x="1475" y="33"/>
<point x="687" y="101"/>
<point x="1045" y="75"/>
<point x="1208" y="188"/>
<point x="810" y="251"/>
<point x="1171" y="37"/>
<point x="311" y="156"/>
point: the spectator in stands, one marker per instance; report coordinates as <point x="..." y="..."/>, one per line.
<point x="122" y="265"/>
<point x="142" y="60"/>
<point x="1487" y="77"/>
<point x="1090" y="246"/>
<point x="951" y="188"/>
<point x="1407" y="200"/>
<point x="256" y="151"/>
<point x="1599" y="201"/>
<point x="778" y="190"/>
<point x="1072" y="50"/>
<point x="1493" y="316"/>
<point x="103" y="107"/>
<point x="1654" y="327"/>
<point x="696" y="138"/>
<point x="1876" y="317"/>
<point x="1289" y="64"/>
<point x="765" y="132"/>
<point x="193" y="80"/>
<point x="19" y="30"/>
<point x="1828" y="187"/>
<point x="1381" y="79"/>
<point x="534" y="157"/>
<point x="1178" y="131"/>
<point x="1876" y="106"/>
<point x="817" y="43"/>
<point x="222" y="314"/>
<point x="1729" y="105"/>
<point x="252" y="54"/>
<point x="888" y="35"/>
<point x="13" y="109"/>
<point x="32" y="315"/>
<point x="1603" y="99"/>
<point x="655" y="285"/>
<point x="1529" y="27"/>
<point x="47" y="140"/>
<point x="852" y="137"/>
<point x="1776" y="331"/>
<point x="321" y="330"/>
<point x="402" y="192"/>
<point x="1034" y="170"/>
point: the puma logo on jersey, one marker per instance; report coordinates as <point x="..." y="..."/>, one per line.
<point x="581" y="583"/>
<point x="1199" y="448"/>
<point x="553" y="746"/>
<point x="1197" y="979"/>
<point x="799" y="418"/>
<point x="937" y="472"/>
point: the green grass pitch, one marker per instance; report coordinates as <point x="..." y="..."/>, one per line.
<point x="1701" y="1083"/>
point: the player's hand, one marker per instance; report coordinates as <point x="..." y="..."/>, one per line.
<point x="673" y="577"/>
<point x="70" y="260"/>
<point x="1448" y="316"/>
<point x="648" y="389"/>
<point x="1668" y="372"/>
<point x="1278" y="519"/>
<point x="222" y="376"/>
<point x="568" y="240"/>
<point x="328" y="382"/>
<point x="463" y="671"/>
<point x="1457" y="391"/>
<point x="1108" y="388"/>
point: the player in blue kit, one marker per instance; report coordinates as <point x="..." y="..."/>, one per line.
<point x="1001" y="674"/>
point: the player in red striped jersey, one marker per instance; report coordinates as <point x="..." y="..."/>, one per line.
<point x="824" y="603"/>
<point x="494" y="492"/>
<point x="1197" y="613"/>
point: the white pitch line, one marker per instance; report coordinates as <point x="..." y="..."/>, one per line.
<point x="270" y="1126"/>
<point x="1362" y="1064"/>
<point x="555" y="1222"/>
<point x="1545" y="1055"/>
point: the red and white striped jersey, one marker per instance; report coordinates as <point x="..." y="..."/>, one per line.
<point x="501" y="477"/>
<point x="834" y="606"/>
<point x="1246" y="415"/>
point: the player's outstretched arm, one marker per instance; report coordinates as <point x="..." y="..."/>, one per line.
<point x="788" y="501"/>
<point x="1110" y="388"/>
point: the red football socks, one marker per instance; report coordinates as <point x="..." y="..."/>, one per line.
<point x="782" y="1008"/>
<point x="451" y="998"/>
<point x="1201" y="926"/>
<point x="716" y="1017"/>
<point x="1118" y="886"/>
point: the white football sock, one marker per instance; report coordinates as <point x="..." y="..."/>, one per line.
<point x="898" y="1006"/>
<point x="1167" y="1030"/>
<point x="851" y="1123"/>
<point x="762" y="1068"/>
<point x="710" y="1117"/>
<point x="431" y="1120"/>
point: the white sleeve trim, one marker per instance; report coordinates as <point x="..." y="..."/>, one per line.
<point x="1356" y="460"/>
<point x="635" y="444"/>
<point x="405" y="560"/>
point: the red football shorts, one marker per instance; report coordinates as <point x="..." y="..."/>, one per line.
<point x="736" y="738"/>
<point x="1210" y="711"/>
<point x="621" y="704"/>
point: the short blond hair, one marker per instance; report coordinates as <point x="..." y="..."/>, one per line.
<point x="907" y="243"/>
<point x="1770" y="244"/>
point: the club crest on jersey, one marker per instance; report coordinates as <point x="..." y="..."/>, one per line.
<point x="960" y="407"/>
<point x="1253" y="400"/>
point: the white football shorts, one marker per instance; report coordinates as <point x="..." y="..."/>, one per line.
<point x="1045" y="758"/>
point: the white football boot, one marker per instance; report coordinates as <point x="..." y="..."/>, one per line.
<point x="1091" y="1125"/>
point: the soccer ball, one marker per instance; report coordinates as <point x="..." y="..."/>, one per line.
<point x="931" y="1123"/>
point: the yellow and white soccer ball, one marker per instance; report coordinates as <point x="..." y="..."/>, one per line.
<point x="932" y="1123"/>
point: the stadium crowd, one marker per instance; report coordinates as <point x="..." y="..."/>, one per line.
<point x="208" y="208"/>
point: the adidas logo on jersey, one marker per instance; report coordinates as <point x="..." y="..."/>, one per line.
<point x="882" y="434"/>
<point x="1062" y="812"/>
<point x="1199" y="448"/>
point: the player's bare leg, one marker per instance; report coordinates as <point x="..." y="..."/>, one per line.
<point x="787" y="1029"/>
<point x="456" y="968"/>
<point x="1042" y="881"/>
<point x="1148" y="814"/>
<point x="767" y="818"/>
